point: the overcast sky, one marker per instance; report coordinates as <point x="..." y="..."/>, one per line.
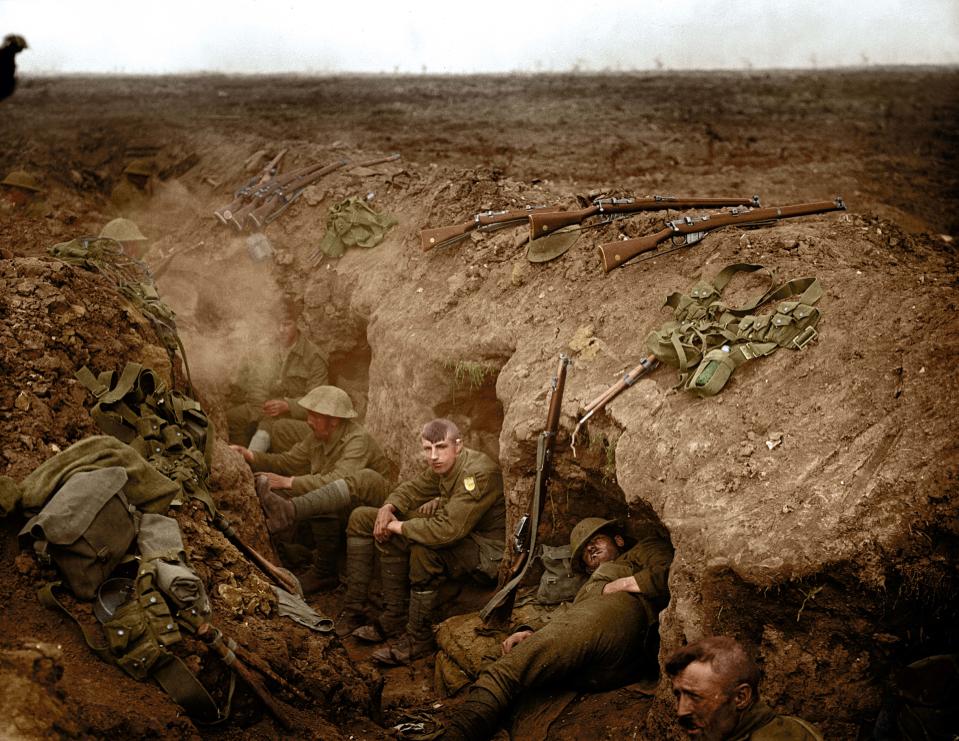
<point x="249" y="36"/>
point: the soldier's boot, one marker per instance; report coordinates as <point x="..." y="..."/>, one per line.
<point x="329" y="499"/>
<point x="323" y="575"/>
<point x="418" y="639"/>
<point x="475" y="719"/>
<point x="260" y="442"/>
<point x="395" y="585"/>
<point x="359" y="573"/>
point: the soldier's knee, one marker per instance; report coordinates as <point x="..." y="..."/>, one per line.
<point x="425" y="564"/>
<point x="368" y="487"/>
<point x="361" y="522"/>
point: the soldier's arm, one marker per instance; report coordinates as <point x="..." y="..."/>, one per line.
<point x="353" y="458"/>
<point x="457" y="518"/>
<point x="415" y="492"/>
<point x="651" y="558"/>
<point x="293" y="462"/>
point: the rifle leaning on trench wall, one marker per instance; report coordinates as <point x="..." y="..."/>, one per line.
<point x="246" y="191"/>
<point x="484" y="221"/>
<point x="500" y="606"/>
<point x="690" y="230"/>
<point x="547" y="222"/>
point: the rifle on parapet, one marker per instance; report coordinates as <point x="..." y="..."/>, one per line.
<point x="500" y="606"/>
<point x="689" y="230"/>
<point x="246" y="191"/>
<point x="238" y="218"/>
<point x="646" y="365"/>
<point x="485" y="221"/>
<point x="283" y="197"/>
<point x="547" y="222"/>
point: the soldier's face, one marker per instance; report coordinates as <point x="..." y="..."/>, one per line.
<point x="706" y="708"/>
<point x="288" y="331"/>
<point x="441" y="456"/>
<point x="601" y="548"/>
<point x="321" y="424"/>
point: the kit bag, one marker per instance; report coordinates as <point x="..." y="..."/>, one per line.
<point x="86" y="529"/>
<point x="559" y="582"/>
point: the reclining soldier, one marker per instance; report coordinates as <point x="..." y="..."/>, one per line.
<point x="463" y="536"/>
<point x="716" y="685"/>
<point x="271" y="413"/>
<point x="596" y="642"/>
<point x="336" y="448"/>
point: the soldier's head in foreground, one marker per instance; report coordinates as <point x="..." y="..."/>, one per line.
<point x="326" y="408"/>
<point x="715" y="682"/>
<point x="442" y="444"/>
<point x="595" y="541"/>
<point x="20" y="188"/>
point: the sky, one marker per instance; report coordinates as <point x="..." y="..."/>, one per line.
<point x="496" y="36"/>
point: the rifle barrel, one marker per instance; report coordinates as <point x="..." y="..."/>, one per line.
<point x="615" y="254"/>
<point x="542" y="224"/>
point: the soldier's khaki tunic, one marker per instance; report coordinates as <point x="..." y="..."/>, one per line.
<point x="313" y="463"/>
<point x="760" y="723"/>
<point x="466" y="535"/>
<point x="304" y="368"/>
<point x="597" y="641"/>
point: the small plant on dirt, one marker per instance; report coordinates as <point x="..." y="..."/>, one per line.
<point x="607" y="454"/>
<point x="469" y="375"/>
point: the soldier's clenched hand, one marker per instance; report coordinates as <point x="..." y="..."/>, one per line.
<point x="514" y="640"/>
<point x="384" y="516"/>
<point x="275" y="407"/>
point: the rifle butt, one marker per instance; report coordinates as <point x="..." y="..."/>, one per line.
<point x="430" y="238"/>
<point x="615" y="254"/>
<point x="541" y="224"/>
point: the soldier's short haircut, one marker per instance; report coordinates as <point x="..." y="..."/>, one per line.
<point x="725" y="655"/>
<point x="437" y="430"/>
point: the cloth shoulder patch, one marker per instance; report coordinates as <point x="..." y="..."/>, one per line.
<point x="470" y="483"/>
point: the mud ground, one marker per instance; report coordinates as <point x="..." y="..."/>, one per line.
<point x="886" y="140"/>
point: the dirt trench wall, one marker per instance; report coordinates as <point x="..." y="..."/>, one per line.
<point x="812" y="471"/>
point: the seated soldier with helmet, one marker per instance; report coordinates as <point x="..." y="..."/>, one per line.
<point x="596" y="643"/>
<point x="262" y="404"/>
<point x="337" y="448"/>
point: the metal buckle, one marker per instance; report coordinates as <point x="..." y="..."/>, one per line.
<point x="805" y="337"/>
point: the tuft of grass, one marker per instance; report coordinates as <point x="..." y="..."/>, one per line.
<point x="469" y="375"/>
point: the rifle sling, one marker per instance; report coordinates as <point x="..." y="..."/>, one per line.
<point x="535" y="509"/>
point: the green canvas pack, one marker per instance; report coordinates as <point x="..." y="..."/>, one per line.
<point x="708" y="340"/>
<point x="171" y="431"/>
<point x="560" y="581"/>
<point x="86" y="529"/>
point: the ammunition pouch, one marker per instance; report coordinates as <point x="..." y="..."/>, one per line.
<point x="85" y="528"/>
<point x="169" y="430"/>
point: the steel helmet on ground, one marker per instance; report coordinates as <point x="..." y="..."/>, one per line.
<point x="139" y="167"/>
<point x="329" y="400"/>
<point x="22" y="179"/>
<point x="123" y="230"/>
<point x="584" y="530"/>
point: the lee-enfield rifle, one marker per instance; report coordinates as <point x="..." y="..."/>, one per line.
<point x="500" y="606"/>
<point x="283" y="197"/>
<point x="265" y="190"/>
<point x="281" y="577"/>
<point x="689" y="230"/>
<point x="246" y="191"/>
<point x="547" y="222"/>
<point x="484" y="221"/>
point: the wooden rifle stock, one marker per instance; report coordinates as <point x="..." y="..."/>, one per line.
<point x="690" y="230"/>
<point x="280" y="576"/>
<point x="647" y="364"/>
<point x="244" y="192"/>
<point x="547" y="222"/>
<point x="500" y="606"/>
<point x="486" y="221"/>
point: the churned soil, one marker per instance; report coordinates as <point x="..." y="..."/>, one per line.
<point x="812" y="504"/>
